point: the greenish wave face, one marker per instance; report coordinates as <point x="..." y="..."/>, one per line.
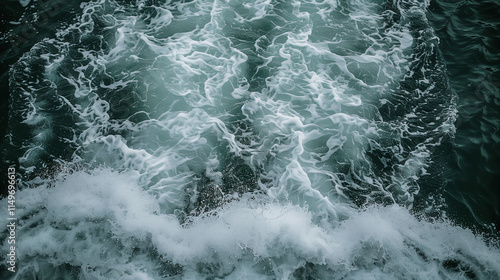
<point x="238" y="140"/>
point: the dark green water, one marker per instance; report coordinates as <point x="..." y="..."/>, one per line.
<point x="470" y="45"/>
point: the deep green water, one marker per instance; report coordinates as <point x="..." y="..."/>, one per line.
<point x="470" y="43"/>
<point x="253" y="140"/>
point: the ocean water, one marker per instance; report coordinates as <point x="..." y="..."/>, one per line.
<point x="235" y="139"/>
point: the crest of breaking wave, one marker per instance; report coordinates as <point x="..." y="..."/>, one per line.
<point x="236" y="139"/>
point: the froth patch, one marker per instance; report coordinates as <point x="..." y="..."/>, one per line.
<point x="103" y="219"/>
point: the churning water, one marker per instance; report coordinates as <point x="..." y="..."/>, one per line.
<point x="235" y="139"/>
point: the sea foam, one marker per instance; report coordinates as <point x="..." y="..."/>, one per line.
<point x="102" y="224"/>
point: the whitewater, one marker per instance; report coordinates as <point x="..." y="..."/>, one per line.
<point x="234" y="139"/>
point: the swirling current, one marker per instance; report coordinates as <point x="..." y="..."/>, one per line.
<point x="265" y="139"/>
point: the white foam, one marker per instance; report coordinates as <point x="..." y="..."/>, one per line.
<point x="304" y="122"/>
<point x="93" y="220"/>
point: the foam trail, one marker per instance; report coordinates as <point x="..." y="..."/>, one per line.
<point x="237" y="139"/>
<point x="103" y="225"/>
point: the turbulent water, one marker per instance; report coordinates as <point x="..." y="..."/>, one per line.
<point x="240" y="139"/>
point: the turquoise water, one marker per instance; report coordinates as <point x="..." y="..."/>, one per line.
<point x="253" y="139"/>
